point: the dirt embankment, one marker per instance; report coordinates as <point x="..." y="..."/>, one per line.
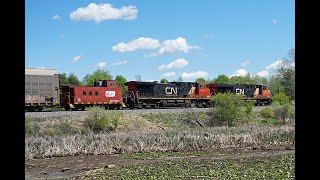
<point x="76" y="166"/>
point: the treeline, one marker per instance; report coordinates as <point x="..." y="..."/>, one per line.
<point x="282" y="80"/>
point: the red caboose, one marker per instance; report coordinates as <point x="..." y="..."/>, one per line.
<point x="104" y="93"/>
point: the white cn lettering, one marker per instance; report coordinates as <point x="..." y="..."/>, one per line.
<point x="171" y="90"/>
<point x="239" y="91"/>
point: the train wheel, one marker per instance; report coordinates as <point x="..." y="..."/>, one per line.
<point x="120" y="107"/>
<point x="193" y="105"/>
<point x="66" y="108"/>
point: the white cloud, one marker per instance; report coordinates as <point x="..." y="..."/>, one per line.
<point x="166" y="47"/>
<point x="168" y="74"/>
<point x="179" y="63"/>
<point x="102" y="12"/>
<point x="41" y="67"/>
<point x="140" y="43"/>
<point x="240" y="72"/>
<point x="150" y="80"/>
<point x="76" y="59"/>
<point x="245" y="63"/>
<point x="274" y="21"/>
<point x="56" y="17"/>
<point x="173" y="46"/>
<point x="198" y="74"/>
<point x="101" y="64"/>
<point x="262" y="74"/>
<point x="275" y="65"/>
<point x="119" y="63"/>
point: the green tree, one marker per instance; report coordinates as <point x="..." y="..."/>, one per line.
<point x="73" y="80"/>
<point x="221" y="79"/>
<point x="275" y="84"/>
<point x="200" y="80"/>
<point x="284" y="79"/>
<point x="120" y="81"/>
<point x="63" y="79"/>
<point x="247" y="79"/>
<point x="261" y="80"/>
<point x="164" y="81"/>
<point x="96" y="75"/>
<point x="287" y="72"/>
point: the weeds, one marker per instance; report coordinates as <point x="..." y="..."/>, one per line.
<point x="165" y="140"/>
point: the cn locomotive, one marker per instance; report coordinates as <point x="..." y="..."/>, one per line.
<point x="155" y="95"/>
<point x="259" y="94"/>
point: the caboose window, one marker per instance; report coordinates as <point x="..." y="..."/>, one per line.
<point x="84" y="93"/>
<point x="96" y="93"/>
<point x="111" y="83"/>
<point x="90" y="93"/>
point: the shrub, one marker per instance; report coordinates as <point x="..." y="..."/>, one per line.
<point x="116" y="116"/>
<point x="284" y="112"/>
<point x="266" y="113"/>
<point x="249" y="113"/>
<point x="97" y="119"/>
<point x="231" y="109"/>
<point x="65" y="127"/>
<point x="272" y="121"/>
<point x="281" y="99"/>
<point x="30" y="127"/>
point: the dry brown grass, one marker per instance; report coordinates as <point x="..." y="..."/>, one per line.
<point x="149" y="139"/>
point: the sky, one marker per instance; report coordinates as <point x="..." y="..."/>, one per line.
<point x="159" y="39"/>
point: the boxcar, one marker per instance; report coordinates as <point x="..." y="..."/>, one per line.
<point x="41" y="88"/>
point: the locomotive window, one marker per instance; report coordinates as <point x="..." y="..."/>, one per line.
<point x="84" y="93"/>
<point x="111" y="83"/>
<point x="96" y="93"/>
<point x="90" y="93"/>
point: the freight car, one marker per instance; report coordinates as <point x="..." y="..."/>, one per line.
<point x="41" y="88"/>
<point x="104" y="93"/>
<point x="259" y="94"/>
<point x="155" y="95"/>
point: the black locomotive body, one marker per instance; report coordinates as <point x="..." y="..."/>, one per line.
<point x="154" y="94"/>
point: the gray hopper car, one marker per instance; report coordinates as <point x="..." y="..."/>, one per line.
<point x="41" y="88"/>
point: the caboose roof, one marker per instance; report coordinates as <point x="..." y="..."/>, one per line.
<point x="40" y="71"/>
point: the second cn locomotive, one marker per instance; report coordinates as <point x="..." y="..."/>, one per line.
<point x="155" y="95"/>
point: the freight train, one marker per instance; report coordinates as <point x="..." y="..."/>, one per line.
<point x="107" y="93"/>
<point x="42" y="90"/>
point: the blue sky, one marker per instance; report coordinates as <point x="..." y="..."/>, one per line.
<point x="159" y="39"/>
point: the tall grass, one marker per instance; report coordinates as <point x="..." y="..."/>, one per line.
<point x="165" y="140"/>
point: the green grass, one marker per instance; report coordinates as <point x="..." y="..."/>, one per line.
<point x="278" y="167"/>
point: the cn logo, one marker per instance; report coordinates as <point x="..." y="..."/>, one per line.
<point x="171" y="90"/>
<point x="239" y="91"/>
